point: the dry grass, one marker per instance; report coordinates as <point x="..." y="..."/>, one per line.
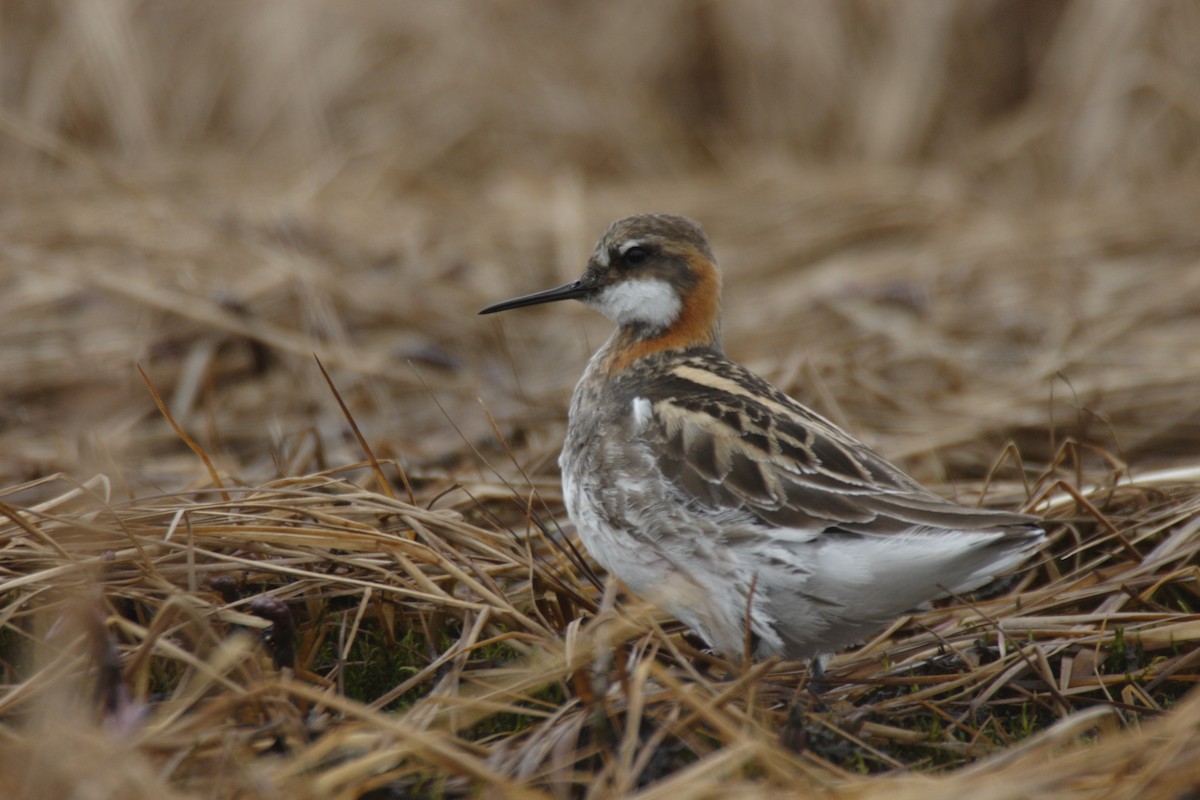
<point x="964" y="229"/>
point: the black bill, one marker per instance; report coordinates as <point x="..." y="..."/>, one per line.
<point x="569" y="291"/>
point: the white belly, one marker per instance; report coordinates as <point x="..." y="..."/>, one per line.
<point x="663" y="557"/>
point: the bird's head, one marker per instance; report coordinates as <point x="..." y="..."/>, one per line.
<point x="652" y="274"/>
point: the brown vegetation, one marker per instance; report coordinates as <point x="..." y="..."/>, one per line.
<point x="965" y="230"/>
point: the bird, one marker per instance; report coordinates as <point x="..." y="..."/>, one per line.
<point x="717" y="497"/>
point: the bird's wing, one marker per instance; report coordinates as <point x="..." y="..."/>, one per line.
<point x="730" y="441"/>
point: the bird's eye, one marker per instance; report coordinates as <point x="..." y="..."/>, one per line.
<point x="636" y="255"/>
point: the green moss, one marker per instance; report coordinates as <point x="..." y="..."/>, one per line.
<point x="373" y="667"/>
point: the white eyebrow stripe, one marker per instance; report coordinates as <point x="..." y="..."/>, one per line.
<point x="629" y="245"/>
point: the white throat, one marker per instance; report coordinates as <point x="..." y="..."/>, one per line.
<point x="650" y="302"/>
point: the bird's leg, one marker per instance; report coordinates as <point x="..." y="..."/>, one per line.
<point x="816" y="677"/>
<point x="793" y="734"/>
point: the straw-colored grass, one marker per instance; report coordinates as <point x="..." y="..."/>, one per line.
<point x="965" y="230"/>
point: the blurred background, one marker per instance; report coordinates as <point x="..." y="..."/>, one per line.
<point x="947" y="225"/>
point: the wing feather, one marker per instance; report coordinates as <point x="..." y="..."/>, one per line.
<point x="735" y="443"/>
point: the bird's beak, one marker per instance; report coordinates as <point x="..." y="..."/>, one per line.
<point x="568" y="291"/>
